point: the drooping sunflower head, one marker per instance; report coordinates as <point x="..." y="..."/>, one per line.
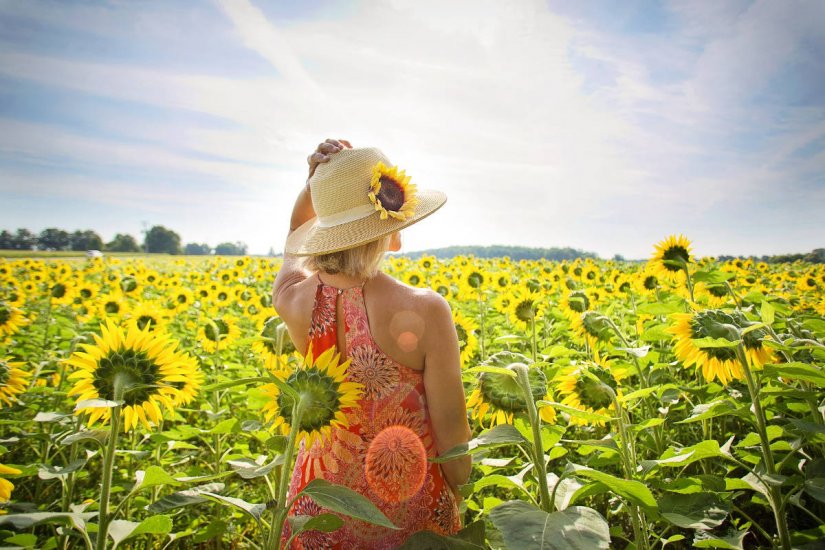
<point x="145" y="368"/>
<point x="671" y="257"/>
<point x="218" y="332"/>
<point x="465" y="328"/>
<point x="325" y="394"/>
<point x="391" y="192"/>
<point x="590" y="387"/>
<point x="502" y="396"/>
<point x="13" y="380"/>
<point x="715" y="362"/>
<point x="593" y="328"/>
<point x="524" y="307"/>
<point x="575" y="303"/>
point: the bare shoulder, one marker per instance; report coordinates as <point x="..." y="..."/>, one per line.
<point x="423" y="301"/>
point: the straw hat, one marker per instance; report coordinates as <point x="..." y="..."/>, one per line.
<point x="359" y="196"/>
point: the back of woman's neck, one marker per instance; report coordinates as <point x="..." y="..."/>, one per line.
<point x="340" y="280"/>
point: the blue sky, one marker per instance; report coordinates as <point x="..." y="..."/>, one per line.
<point x="599" y="125"/>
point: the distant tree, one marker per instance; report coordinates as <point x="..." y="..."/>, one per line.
<point x="6" y="240"/>
<point x="161" y="239"/>
<point x="53" y="238"/>
<point x="195" y="249"/>
<point x="618" y="258"/>
<point x="231" y="249"/>
<point x="24" y="240"/>
<point x="123" y="243"/>
<point x="271" y="252"/>
<point x="816" y="256"/>
<point x="85" y="240"/>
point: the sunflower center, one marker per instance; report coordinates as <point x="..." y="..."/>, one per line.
<point x="181" y="299"/>
<point x="675" y="257"/>
<point x="475" y="279"/>
<point x="321" y="393"/>
<point x="139" y="372"/>
<point x="222" y="296"/>
<point x="414" y="280"/>
<point x="650" y="282"/>
<point x="391" y="194"/>
<point x="144" y="320"/>
<point x="111" y="307"/>
<point x="128" y="284"/>
<point x="462" y="336"/>
<point x="443" y="290"/>
<point x="5" y="315"/>
<point x="505" y="393"/>
<point x="58" y="290"/>
<point x="718" y="291"/>
<point x="85" y="293"/>
<point x="216" y="329"/>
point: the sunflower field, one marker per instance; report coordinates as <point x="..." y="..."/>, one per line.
<point x="157" y="403"/>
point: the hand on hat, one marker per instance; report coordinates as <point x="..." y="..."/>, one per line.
<point x="324" y="151"/>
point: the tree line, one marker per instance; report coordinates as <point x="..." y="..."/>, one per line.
<point x="158" y="239"/>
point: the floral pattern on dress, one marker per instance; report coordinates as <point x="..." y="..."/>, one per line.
<point x="393" y="396"/>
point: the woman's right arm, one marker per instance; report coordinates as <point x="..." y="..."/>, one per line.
<point x="303" y="211"/>
<point x="445" y="391"/>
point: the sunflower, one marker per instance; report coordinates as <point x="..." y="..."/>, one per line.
<point x="645" y="281"/>
<point x="391" y="192"/>
<point x="589" y="387"/>
<point x="473" y="281"/>
<point x="441" y="284"/>
<point x="62" y="292"/>
<point x="11" y="319"/>
<point x="502" y="396"/>
<point x="148" y="365"/>
<point x="13" y="381"/>
<point x="714" y="295"/>
<point x="592" y="327"/>
<point x="671" y="258"/>
<point x="181" y="299"/>
<point x="149" y="314"/>
<point x="721" y="362"/>
<point x="575" y="303"/>
<point x="465" y="328"/>
<point x="6" y="486"/>
<point x="525" y="306"/>
<point x="274" y="345"/>
<point x="415" y="278"/>
<point x="112" y="305"/>
<point x="322" y="382"/>
<point x="218" y="332"/>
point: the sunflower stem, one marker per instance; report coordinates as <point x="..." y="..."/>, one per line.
<point x="629" y="460"/>
<point x="767" y="455"/>
<point x="689" y="282"/>
<point x="281" y="507"/>
<point x="109" y="465"/>
<point x="483" y="310"/>
<point x="533" y="323"/>
<point x="535" y="423"/>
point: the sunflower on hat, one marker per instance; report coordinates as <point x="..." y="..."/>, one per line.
<point x="391" y="192"/>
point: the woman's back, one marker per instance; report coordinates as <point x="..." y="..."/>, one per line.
<point x="382" y="454"/>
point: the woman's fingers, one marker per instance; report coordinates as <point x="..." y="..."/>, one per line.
<point x="328" y="147"/>
<point x="346" y="143"/>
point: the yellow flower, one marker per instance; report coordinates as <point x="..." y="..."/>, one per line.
<point x="593" y="328"/>
<point x="589" y="387"/>
<point x="11" y="319"/>
<point x="391" y="192"/>
<point x="13" y="380"/>
<point x="466" y="328"/>
<point x="148" y="365"/>
<point x="218" y="333"/>
<point x="524" y="307"/>
<point x="671" y="258"/>
<point x="322" y="382"/>
<point x="6" y="486"/>
<point x="149" y="314"/>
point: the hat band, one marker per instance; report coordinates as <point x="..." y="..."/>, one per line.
<point x="340" y="218"/>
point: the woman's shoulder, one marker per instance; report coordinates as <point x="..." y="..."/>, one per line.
<point x="423" y="301"/>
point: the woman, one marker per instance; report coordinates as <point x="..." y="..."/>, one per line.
<point x="401" y="341"/>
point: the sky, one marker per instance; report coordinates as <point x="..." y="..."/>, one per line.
<point x="603" y="126"/>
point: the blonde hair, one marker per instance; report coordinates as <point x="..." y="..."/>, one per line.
<point x="362" y="261"/>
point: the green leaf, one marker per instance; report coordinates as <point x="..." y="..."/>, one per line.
<point x="121" y="530"/>
<point x="239" y="382"/>
<point x="325" y="523"/>
<point x="54" y="472"/>
<point x="98" y="436"/>
<point x="497" y="480"/>
<point x="503" y="434"/>
<point x="213" y="529"/>
<point x="345" y="501"/>
<point x="733" y="541"/>
<point x="253" y="510"/>
<point x="767" y="312"/>
<point x="636" y="352"/>
<point x="24" y="521"/>
<point x="661" y="307"/>
<point x="711" y="342"/>
<point x="97" y="404"/>
<point x="24" y="540"/>
<point x="693" y="511"/>
<point x="50" y="416"/>
<point x="427" y="540"/>
<point x="228" y="426"/>
<point x="249" y="469"/>
<point x="152" y="477"/>
<point x="712" y="276"/>
<point x="184" y="498"/>
<point x="525" y="526"/>
<point x="705" y="411"/>
<point x="816" y="488"/>
<point x="797" y="371"/>
<point x="673" y="458"/>
<point x="632" y="490"/>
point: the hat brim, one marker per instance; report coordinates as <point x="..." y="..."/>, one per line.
<point x="310" y="239"/>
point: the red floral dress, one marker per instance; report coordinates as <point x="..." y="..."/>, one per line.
<point x="382" y="453"/>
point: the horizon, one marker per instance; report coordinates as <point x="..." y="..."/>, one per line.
<point x="548" y="124"/>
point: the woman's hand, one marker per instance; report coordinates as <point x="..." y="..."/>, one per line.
<point x="323" y="153"/>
